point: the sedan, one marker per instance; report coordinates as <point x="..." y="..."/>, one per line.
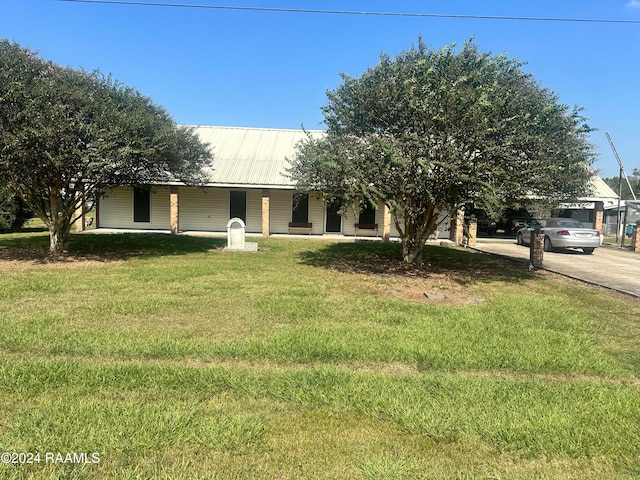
<point x="562" y="233"/>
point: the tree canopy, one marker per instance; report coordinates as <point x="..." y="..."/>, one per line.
<point x="68" y="135"/>
<point x="431" y="130"/>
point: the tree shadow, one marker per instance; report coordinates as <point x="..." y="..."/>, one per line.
<point x="385" y="259"/>
<point x="34" y="248"/>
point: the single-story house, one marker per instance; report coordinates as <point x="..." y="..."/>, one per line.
<point x="247" y="180"/>
<point x="590" y="210"/>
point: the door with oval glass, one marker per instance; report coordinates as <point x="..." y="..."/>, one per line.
<point x="333" y="216"/>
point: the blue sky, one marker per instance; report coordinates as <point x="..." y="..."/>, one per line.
<point x="272" y="69"/>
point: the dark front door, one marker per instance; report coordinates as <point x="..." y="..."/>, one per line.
<point x="238" y="205"/>
<point x="333" y="222"/>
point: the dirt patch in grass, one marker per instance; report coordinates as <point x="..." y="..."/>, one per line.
<point x="19" y="258"/>
<point x="448" y="276"/>
<point x="434" y="288"/>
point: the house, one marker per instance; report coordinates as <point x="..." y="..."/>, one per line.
<point x="592" y="209"/>
<point x="248" y="180"/>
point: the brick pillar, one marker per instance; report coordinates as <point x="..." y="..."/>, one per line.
<point x="536" y="249"/>
<point x="80" y="213"/>
<point x="97" y="213"/>
<point x="386" y="224"/>
<point x="635" y="239"/>
<point x="173" y="202"/>
<point x="265" y="213"/>
<point x="456" y="233"/>
<point x="473" y="233"/>
<point x="598" y="216"/>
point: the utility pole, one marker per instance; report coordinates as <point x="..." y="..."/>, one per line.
<point x="620" y="229"/>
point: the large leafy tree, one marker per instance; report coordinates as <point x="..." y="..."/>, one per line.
<point x="431" y="130"/>
<point x="69" y="135"/>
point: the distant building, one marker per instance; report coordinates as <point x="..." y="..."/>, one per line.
<point x="596" y="209"/>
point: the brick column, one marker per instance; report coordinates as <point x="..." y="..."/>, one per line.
<point x="536" y="249"/>
<point x="473" y="233"/>
<point x="457" y="228"/>
<point x="386" y="224"/>
<point x="598" y="216"/>
<point x="173" y="202"/>
<point x="635" y="239"/>
<point x="265" y="213"/>
<point x="81" y="214"/>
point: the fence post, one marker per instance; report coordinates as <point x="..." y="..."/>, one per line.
<point x="536" y="247"/>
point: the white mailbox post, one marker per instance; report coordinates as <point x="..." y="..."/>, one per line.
<point x="235" y="234"/>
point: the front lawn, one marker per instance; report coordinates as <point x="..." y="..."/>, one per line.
<point x="164" y="357"/>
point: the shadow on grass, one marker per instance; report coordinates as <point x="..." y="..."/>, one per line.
<point x="34" y="247"/>
<point x="460" y="266"/>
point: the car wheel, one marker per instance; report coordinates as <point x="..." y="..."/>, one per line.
<point x="519" y="239"/>
<point x="547" y="245"/>
<point x="589" y="250"/>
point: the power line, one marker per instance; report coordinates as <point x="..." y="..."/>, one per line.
<point x="351" y="12"/>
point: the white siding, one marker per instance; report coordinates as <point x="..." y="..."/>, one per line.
<point x="280" y="208"/>
<point x="316" y="213"/>
<point x="349" y="220"/>
<point x="254" y="210"/>
<point x="443" y="227"/>
<point x="116" y="209"/>
<point x="208" y="209"/>
<point x="203" y="209"/>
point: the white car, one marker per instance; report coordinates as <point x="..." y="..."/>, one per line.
<point x="562" y="233"/>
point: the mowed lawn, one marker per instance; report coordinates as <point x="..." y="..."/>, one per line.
<point x="168" y="358"/>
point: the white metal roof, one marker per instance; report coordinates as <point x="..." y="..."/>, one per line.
<point x="600" y="191"/>
<point x="255" y="157"/>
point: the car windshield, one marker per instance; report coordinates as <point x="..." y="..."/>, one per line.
<point x="570" y="224"/>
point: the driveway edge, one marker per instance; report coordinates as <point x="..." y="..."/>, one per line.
<point x="566" y="275"/>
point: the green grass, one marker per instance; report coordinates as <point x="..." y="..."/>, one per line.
<point x="310" y="359"/>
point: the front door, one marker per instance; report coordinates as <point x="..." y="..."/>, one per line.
<point x="238" y="205"/>
<point x="333" y="222"/>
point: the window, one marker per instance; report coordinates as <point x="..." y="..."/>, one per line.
<point x="367" y="215"/>
<point x="238" y="205"/>
<point x="300" y="211"/>
<point x="141" y="205"/>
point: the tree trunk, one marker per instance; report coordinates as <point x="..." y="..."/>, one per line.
<point x="58" y="237"/>
<point x="412" y="251"/>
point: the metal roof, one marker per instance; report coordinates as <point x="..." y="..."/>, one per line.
<point x="600" y="191"/>
<point x="258" y="157"/>
<point x="255" y="157"/>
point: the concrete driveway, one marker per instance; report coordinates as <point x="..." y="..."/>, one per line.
<point x="610" y="267"/>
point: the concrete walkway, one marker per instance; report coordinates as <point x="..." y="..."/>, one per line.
<point x="610" y="267"/>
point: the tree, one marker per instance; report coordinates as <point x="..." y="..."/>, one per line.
<point x="68" y="135"/>
<point x="429" y="131"/>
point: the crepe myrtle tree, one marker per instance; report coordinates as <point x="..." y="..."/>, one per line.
<point x="432" y="130"/>
<point x="68" y="135"/>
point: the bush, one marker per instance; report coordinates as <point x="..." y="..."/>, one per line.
<point x="13" y="211"/>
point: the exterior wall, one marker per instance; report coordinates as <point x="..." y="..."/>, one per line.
<point x="254" y="210"/>
<point x="207" y="209"/>
<point x="316" y="213"/>
<point x="349" y="220"/>
<point x="583" y="216"/>
<point x="204" y="209"/>
<point x="116" y="209"/>
<point x="280" y="209"/>
<point x="443" y="227"/>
